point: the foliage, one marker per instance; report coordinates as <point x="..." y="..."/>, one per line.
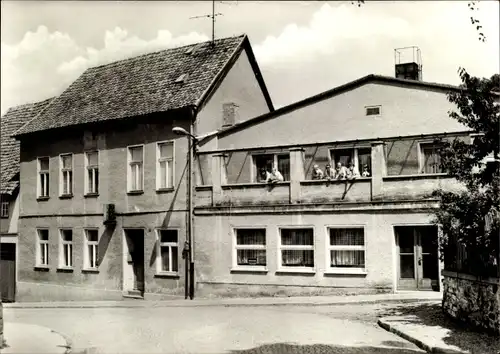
<point x="462" y="215"/>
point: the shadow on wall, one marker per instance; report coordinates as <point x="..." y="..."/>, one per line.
<point x="104" y="242"/>
<point x="389" y="347"/>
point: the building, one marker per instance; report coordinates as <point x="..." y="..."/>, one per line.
<point x="13" y="120"/>
<point x="103" y="203"/>
<point x="302" y="236"/>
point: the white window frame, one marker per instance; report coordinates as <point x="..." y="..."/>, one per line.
<point x="159" y="246"/>
<point x="237" y="247"/>
<point x="4" y="209"/>
<point x="129" y="168"/>
<point x="281" y="267"/>
<point x="168" y="161"/>
<point x="421" y="157"/>
<point x="355" y="157"/>
<point x="91" y="184"/>
<point x="42" y="246"/>
<point x="373" y="115"/>
<point x="95" y="249"/>
<point x="253" y="167"/>
<point x="329" y="247"/>
<point x="43" y="189"/>
<point x="66" y="251"/>
<point x="66" y="172"/>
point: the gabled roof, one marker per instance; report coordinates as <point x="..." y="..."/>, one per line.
<point x="334" y="92"/>
<point x="145" y="84"/>
<point x="10" y="122"/>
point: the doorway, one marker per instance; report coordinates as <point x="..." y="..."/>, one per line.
<point x="417" y="257"/>
<point x="133" y="267"/>
<point x="8" y="272"/>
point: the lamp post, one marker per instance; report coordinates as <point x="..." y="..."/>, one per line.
<point x="189" y="281"/>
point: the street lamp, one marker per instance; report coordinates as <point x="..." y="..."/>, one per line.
<point x="189" y="245"/>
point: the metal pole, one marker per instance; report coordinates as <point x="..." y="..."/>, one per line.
<point x="190" y="218"/>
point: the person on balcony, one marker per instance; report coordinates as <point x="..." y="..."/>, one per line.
<point x="352" y="171"/>
<point x="317" y="173"/>
<point x="340" y="171"/>
<point x="329" y="172"/>
<point x="365" y="172"/>
<point x="263" y="175"/>
<point x="275" y="176"/>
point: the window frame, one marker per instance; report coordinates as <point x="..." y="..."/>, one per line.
<point x="421" y="157"/>
<point x="373" y="106"/>
<point x="62" y="250"/>
<point x="46" y="248"/>
<point x="281" y="267"/>
<point x="46" y="173"/>
<point x="159" y="160"/>
<point x="88" y="168"/>
<point x="62" y="170"/>
<point x="329" y="248"/>
<point x="235" y="248"/>
<point x="129" y="168"/>
<point x="86" y="244"/>
<point x="4" y="209"/>
<point x="159" y="245"/>
<point x="355" y="157"/>
<point x="253" y="167"/>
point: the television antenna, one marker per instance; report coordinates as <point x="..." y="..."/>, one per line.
<point x="212" y="16"/>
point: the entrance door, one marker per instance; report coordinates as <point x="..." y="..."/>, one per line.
<point x="417" y="257"/>
<point x="8" y="272"/>
<point x="133" y="272"/>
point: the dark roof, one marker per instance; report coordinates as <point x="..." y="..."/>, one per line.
<point x="10" y="122"/>
<point x="336" y="91"/>
<point x="144" y="84"/>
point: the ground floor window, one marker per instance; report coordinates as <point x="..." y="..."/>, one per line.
<point x="297" y="247"/>
<point x="347" y="247"/>
<point x="66" y="248"/>
<point x="168" y="251"/>
<point x="42" y="257"/>
<point x="91" y="248"/>
<point x="251" y="247"/>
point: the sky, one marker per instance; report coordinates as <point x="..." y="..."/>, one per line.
<point x="302" y="47"/>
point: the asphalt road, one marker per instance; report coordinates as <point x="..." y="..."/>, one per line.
<point x="348" y="329"/>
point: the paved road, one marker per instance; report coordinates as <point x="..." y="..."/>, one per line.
<point x="247" y="330"/>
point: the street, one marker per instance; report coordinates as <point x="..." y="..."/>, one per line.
<point x="218" y="329"/>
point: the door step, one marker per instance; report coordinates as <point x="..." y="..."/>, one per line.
<point x="133" y="294"/>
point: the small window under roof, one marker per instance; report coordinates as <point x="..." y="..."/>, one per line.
<point x="373" y="110"/>
<point x="182" y="78"/>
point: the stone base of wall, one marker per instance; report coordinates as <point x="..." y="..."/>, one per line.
<point x="474" y="302"/>
<point x="212" y="289"/>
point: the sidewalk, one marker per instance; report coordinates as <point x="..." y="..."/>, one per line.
<point x="401" y="297"/>
<point x="33" y="339"/>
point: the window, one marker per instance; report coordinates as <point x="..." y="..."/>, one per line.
<point x="43" y="177"/>
<point x="91" y="248"/>
<point x="66" y="249"/>
<point x="168" y="251"/>
<point x="430" y="158"/>
<point x="66" y="185"/>
<point x="347" y="248"/>
<point x="373" y="110"/>
<point x="297" y="248"/>
<point x="4" y="210"/>
<point x="42" y="258"/>
<point x="165" y="165"/>
<point x="359" y="157"/>
<point x="267" y="161"/>
<point x="250" y="247"/>
<point x="92" y="172"/>
<point x="135" y="171"/>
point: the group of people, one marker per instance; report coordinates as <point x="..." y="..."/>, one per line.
<point x="340" y="172"/>
<point x="270" y="177"/>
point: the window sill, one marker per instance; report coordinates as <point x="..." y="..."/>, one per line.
<point x="249" y="269"/>
<point x="41" y="199"/>
<point x="91" y="195"/>
<point x="90" y="270"/>
<point x="291" y="270"/>
<point x="135" y="192"/>
<point x="415" y="176"/>
<point x="167" y="275"/>
<point x="65" y="270"/>
<point x="333" y="181"/>
<point x="165" y="190"/>
<point x="346" y="271"/>
<point x="4" y="217"/>
<point x="66" y="196"/>
<point x="254" y="185"/>
<point x="41" y="268"/>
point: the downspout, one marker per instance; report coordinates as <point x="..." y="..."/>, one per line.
<point x="192" y="147"/>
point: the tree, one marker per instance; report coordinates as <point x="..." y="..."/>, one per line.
<point x="470" y="218"/>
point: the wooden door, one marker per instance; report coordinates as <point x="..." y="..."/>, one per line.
<point x="8" y="272"/>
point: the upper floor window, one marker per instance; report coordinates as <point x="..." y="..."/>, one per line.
<point x="265" y="163"/>
<point x="42" y="248"/>
<point x="250" y="247"/>
<point x="347" y="247"/>
<point x="66" y="175"/>
<point x="297" y="247"/>
<point x="373" y="110"/>
<point x="92" y="172"/>
<point x="351" y="162"/>
<point x="43" y="177"/>
<point x="135" y="168"/>
<point x="165" y="165"/>
<point x="430" y="161"/>
<point x="168" y="251"/>
<point x="4" y="210"/>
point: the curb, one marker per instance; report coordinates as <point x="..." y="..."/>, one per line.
<point x="69" y="342"/>
<point x="417" y="342"/>
<point x="148" y="304"/>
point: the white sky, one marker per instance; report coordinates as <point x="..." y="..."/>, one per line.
<point x="303" y="48"/>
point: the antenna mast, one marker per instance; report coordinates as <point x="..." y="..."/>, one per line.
<point x="212" y="16"/>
